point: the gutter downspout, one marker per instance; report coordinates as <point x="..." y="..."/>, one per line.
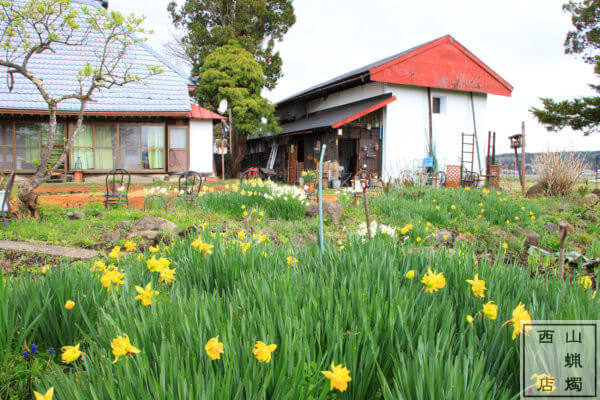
<point x="430" y="122"/>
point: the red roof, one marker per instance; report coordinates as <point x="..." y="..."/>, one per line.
<point x="198" y="112"/>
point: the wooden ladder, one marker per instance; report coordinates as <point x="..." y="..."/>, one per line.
<point x="60" y="175"/>
<point x="467" y="155"/>
<point x="273" y="155"/>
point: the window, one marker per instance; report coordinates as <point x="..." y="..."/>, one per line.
<point x="153" y="147"/>
<point x="95" y="147"/>
<point x="6" y="145"/>
<point x="141" y="147"/>
<point x="438" y="105"/>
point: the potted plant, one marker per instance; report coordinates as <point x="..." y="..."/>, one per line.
<point x="309" y="180"/>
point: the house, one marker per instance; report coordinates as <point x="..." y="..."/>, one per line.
<point x="388" y="116"/>
<point x="144" y="127"/>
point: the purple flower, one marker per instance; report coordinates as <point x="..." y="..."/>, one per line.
<point x="25" y="355"/>
<point x="50" y="350"/>
<point x="33" y="349"/>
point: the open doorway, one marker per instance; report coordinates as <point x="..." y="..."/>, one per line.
<point x="348" y="157"/>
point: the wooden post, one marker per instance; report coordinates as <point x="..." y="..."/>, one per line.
<point x="223" y="158"/>
<point x="561" y="259"/>
<point x="523" y="158"/>
<point x="365" y="186"/>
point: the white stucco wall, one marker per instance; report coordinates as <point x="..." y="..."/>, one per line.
<point x="201" y="146"/>
<point x="342" y="97"/>
<point x="406" y="128"/>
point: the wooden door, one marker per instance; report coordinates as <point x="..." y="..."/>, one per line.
<point x="293" y="163"/>
<point x="179" y="143"/>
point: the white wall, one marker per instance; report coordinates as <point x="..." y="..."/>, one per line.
<point x="201" y="146"/>
<point x="352" y="95"/>
<point x="406" y="128"/>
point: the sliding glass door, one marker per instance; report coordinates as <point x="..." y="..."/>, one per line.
<point x="178" y="148"/>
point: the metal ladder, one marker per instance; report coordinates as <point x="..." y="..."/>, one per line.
<point x="467" y="155"/>
<point x="273" y="155"/>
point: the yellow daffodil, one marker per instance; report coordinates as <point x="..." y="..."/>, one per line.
<point x="453" y="207"/>
<point x="245" y="214"/>
<point x="99" y="265"/>
<point x="292" y="261"/>
<point x="477" y="286"/>
<point x="419" y="239"/>
<point x="490" y="310"/>
<point x="586" y="281"/>
<point x="262" y="352"/>
<point x="70" y="353"/>
<point x="410" y="274"/>
<point x="214" y="348"/>
<point x="121" y="346"/>
<point x="433" y="281"/>
<point x="406" y="229"/>
<point x="129" y="245"/>
<point x="339" y="376"/>
<point x="44" y="269"/>
<point x="469" y="319"/>
<point x="241" y="235"/>
<point x="112" y="276"/>
<point x="261" y="214"/>
<point x="153" y="249"/>
<point x="115" y="252"/>
<point x="69" y="304"/>
<point x="47" y="396"/>
<point x="145" y="294"/>
<point x="167" y="275"/>
<point x="519" y="315"/>
<point x="264" y="254"/>
<point x="505" y="245"/>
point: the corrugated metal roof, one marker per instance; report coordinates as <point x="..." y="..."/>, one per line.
<point x="202" y="113"/>
<point x="166" y="92"/>
<point x="330" y="116"/>
<point x="354" y="73"/>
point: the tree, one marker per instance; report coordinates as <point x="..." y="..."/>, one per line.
<point x="34" y="27"/>
<point x="230" y="72"/>
<point x="583" y="113"/>
<point x="256" y="24"/>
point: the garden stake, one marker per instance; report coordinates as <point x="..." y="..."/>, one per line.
<point x="561" y="259"/>
<point x="365" y="186"/>
<point x="321" y="196"/>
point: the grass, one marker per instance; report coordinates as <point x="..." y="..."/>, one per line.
<point x="353" y="307"/>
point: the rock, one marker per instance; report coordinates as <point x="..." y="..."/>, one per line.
<point x="154" y="224"/>
<point x="111" y="237"/>
<point x="589" y="198"/>
<point x="551" y="227"/>
<point x="596" y="192"/>
<point x="147" y="235"/>
<point x="333" y="210"/>
<point x="536" y="190"/>
<point x="532" y="238"/>
<point x="75" y="215"/>
<point x="190" y="230"/>
<point x="123" y="224"/>
<point x="444" y="237"/>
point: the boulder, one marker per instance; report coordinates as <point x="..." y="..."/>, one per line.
<point x="532" y="238"/>
<point x="536" y="190"/>
<point x="589" y="198"/>
<point x="154" y="224"/>
<point x="189" y="231"/>
<point x="123" y="224"/>
<point x="146" y="235"/>
<point x="443" y="237"/>
<point x="333" y="210"/>
<point x="111" y="237"/>
<point x="75" y="215"/>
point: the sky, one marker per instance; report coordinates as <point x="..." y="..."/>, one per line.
<point x="522" y="40"/>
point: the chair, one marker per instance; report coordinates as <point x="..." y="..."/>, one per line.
<point x="190" y="184"/>
<point x="4" y="200"/>
<point x="117" y="187"/>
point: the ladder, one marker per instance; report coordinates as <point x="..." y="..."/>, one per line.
<point x="273" y="155"/>
<point x="59" y="147"/>
<point x="467" y="156"/>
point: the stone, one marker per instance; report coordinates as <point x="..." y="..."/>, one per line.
<point x="532" y="238"/>
<point x="123" y="224"/>
<point x="589" y="198"/>
<point x="111" y="237"/>
<point x="75" y="215"/>
<point x="537" y="190"/>
<point x="444" y="237"/>
<point x="189" y="231"/>
<point x="333" y="210"/>
<point x="596" y="192"/>
<point x="147" y="235"/>
<point x="551" y="227"/>
<point x="154" y="224"/>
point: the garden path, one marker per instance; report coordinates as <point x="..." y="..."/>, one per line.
<point x="47" y="249"/>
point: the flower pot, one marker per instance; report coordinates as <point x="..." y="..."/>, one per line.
<point x="78" y="176"/>
<point x="309" y="187"/>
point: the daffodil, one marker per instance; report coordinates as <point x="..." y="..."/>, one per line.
<point x="115" y="252"/>
<point x="519" y="316"/>
<point x="410" y="274"/>
<point x="69" y="304"/>
<point x="262" y="352"/>
<point x="129" y="245"/>
<point x="145" y="294"/>
<point x="153" y="249"/>
<point x="292" y="261"/>
<point x="505" y="245"/>
<point x="477" y="286"/>
<point x="241" y="235"/>
<point x="433" y="281"/>
<point x="167" y="275"/>
<point x="339" y="376"/>
<point x="121" y="346"/>
<point x="490" y="310"/>
<point x="469" y="319"/>
<point x="44" y="269"/>
<point x="214" y="348"/>
<point x="47" y="396"/>
<point x="110" y="277"/>
<point x="70" y="353"/>
<point x="586" y="281"/>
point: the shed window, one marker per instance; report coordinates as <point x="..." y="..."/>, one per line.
<point x="437" y="105"/>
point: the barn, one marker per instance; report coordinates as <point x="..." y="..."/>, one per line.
<point x="388" y="116"/>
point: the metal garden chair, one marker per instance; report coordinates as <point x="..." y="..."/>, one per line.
<point x="117" y="187"/>
<point x="4" y="200"/>
<point x="189" y="185"/>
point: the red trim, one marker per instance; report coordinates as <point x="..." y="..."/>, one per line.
<point x="198" y="112"/>
<point x="443" y="63"/>
<point x="296" y="133"/>
<point x="100" y="113"/>
<point x="364" y="112"/>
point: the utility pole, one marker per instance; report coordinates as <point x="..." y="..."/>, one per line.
<point x="523" y="156"/>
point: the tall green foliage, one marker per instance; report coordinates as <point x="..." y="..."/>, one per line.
<point x="256" y="24"/>
<point x="582" y="113"/>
